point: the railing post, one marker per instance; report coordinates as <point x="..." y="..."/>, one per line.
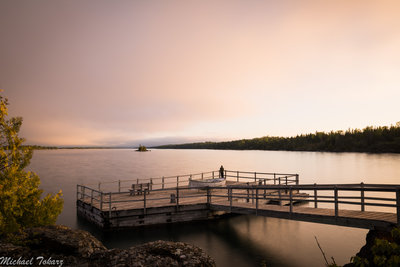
<point x="230" y="199"/>
<point x="336" y="202"/>
<point x="202" y="176"/>
<point x="279" y="179"/>
<point x="265" y="190"/>
<point x="297" y="179"/>
<point x="252" y="195"/>
<point x="248" y="193"/>
<point x="119" y="186"/>
<point x="274" y="179"/>
<point x="151" y="184"/>
<point x="91" y="198"/>
<point x="177" y="197"/>
<point x="255" y="177"/>
<point x="280" y="197"/>
<point x="208" y="196"/>
<point x="286" y="180"/>
<point x="144" y="201"/>
<point x="315" y="196"/>
<point x="224" y="175"/>
<point x="101" y="201"/>
<point x="162" y="180"/>
<point x="237" y="173"/>
<point x="77" y="191"/>
<point x="213" y="174"/>
<point x="291" y="200"/>
<point x="83" y="193"/>
<point x="398" y="205"/>
<point x="109" y="207"/>
<point x="99" y="186"/>
<point x="256" y="201"/>
<point x="362" y="198"/>
<point x="177" y="181"/>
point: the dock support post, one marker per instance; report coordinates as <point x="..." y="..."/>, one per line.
<point x="144" y="201"/>
<point x="77" y="191"/>
<point x="101" y="201"/>
<point x="315" y="196"/>
<point x="256" y="201"/>
<point x="398" y="205"/>
<point x="336" y="202"/>
<point x="362" y="197"/>
<point x="230" y="199"/>
<point x="109" y="207"/>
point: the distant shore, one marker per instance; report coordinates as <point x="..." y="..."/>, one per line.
<point x="34" y="147"/>
<point x="369" y="140"/>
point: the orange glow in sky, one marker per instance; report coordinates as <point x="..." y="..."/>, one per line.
<point x="129" y="72"/>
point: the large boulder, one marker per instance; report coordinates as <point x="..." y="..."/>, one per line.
<point x="158" y="253"/>
<point x="62" y="246"/>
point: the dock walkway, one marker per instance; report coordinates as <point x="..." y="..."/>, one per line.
<point x="244" y="193"/>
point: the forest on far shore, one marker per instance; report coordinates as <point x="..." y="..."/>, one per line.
<point x="370" y="139"/>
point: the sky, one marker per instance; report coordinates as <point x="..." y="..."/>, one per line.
<point x="122" y="73"/>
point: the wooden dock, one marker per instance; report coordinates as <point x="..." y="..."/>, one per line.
<point x="262" y="194"/>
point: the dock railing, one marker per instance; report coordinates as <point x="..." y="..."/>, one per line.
<point x="183" y="180"/>
<point x="337" y="197"/>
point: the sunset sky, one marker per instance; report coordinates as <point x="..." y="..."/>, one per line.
<point x="155" y="72"/>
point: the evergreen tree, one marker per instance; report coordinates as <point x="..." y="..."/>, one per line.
<point x="21" y="204"/>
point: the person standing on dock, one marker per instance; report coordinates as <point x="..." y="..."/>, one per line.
<point x="221" y="172"/>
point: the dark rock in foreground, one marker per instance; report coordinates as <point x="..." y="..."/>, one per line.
<point x="62" y="246"/>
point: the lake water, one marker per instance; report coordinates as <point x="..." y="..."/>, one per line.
<point x="234" y="241"/>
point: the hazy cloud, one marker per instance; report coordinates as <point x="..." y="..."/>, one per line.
<point x="101" y="72"/>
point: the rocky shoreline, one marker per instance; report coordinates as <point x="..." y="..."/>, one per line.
<point x="62" y="246"/>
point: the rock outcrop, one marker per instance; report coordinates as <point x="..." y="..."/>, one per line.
<point x="366" y="251"/>
<point x="62" y="246"/>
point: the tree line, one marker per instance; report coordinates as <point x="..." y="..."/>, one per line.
<point x="370" y="139"/>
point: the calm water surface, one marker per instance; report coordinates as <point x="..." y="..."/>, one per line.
<point x="235" y="241"/>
